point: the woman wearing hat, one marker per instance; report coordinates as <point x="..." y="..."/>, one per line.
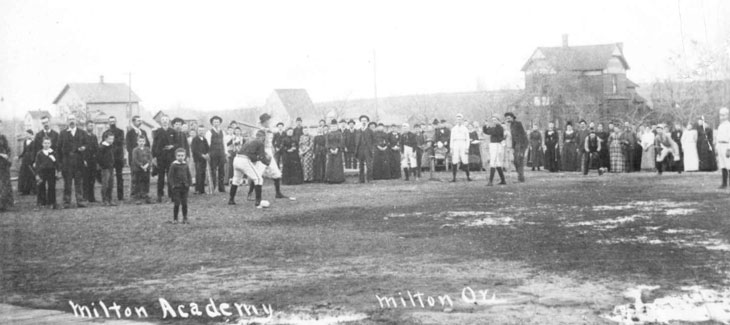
<point x="335" y="169"/>
<point x="381" y="167"/>
<point x="306" y="154"/>
<point x="320" y="153"/>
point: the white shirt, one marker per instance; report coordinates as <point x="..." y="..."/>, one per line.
<point x="73" y="131"/>
<point x="647" y="139"/>
<point x="459" y="136"/>
<point x="723" y="132"/>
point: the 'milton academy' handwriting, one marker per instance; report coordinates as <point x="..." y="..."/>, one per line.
<point x="211" y="309"/>
<point x="418" y="299"/>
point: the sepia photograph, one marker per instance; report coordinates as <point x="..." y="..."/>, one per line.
<point x="364" y="162"/>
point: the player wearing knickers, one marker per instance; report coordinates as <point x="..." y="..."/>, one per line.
<point x="272" y="171"/>
<point x="251" y="160"/>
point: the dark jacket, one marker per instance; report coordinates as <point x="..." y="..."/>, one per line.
<point x="92" y="149"/>
<point x="519" y="136"/>
<point x="45" y="162"/>
<point x="38" y="140"/>
<point x="179" y="175"/>
<point x="163" y="138"/>
<point x="496" y="133"/>
<point x="118" y="144"/>
<point x="69" y="156"/>
<point x="131" y="139"/>
<point x="349" y="140"/>
<point x="140" y="157"/>
<point x="105" y="156"/>
<point x="364" y="142"/>
<point x="255" y="151"/>
<point x="199" y="147"/>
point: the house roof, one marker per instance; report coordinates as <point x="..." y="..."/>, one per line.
<point x="38" y="114"/>
<point x="296" y="101"/>
<point x="579" y="58"/>
<point x="100" y="92"/>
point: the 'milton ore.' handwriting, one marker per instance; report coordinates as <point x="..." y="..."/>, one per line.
<point x="211" y="310"/>
<point x="419" y="299"/>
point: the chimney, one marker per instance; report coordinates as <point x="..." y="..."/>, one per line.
<point x="101" y="79"/>
<point x="565" y="40"/>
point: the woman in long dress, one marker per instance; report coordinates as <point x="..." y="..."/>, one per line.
<point x="535" y="156"/>
<point x="26" y="177"/>
<point x="509" y="152"/>
<point x="689" y="144"/>
<point x="604" y="157"/>
<point x="618" y="162"/>
<point x="648" y="161"/>
<point x="291" y="164"/>
<point x="320" y="154"/>
<point x="6" y="189"/>
<point x="704" y="147"/>
<point x="570" y="149"/>
<point x="335" y="168"/>
<point x="676" y="135"/>
<point x="394" y="154"/>
<point x="381" y="167"/>
<point x="306" y="154"/>
<point x="550" y="146"/>
<point x="475" y="157"/>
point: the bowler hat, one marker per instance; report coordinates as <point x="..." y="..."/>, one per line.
<point x="264" y="117"/>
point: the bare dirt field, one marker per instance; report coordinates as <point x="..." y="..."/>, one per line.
<point x="559" y="249"/>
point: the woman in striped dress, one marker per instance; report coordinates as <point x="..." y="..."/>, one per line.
<point x="618" y="161"/>
<point x="306" y="152"/>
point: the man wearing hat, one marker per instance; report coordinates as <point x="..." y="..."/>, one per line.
<point x="364" y="146"/>
<point x="664" y="147"/>
<point x="459" y="144"/>
<point x="349" y="137"/>
<point x="272" y="171"/>
<point x="519" y="144"/>
<point x="723" y="146"/>
<point x="592" y="147"/>
<point x="218" y="153"/>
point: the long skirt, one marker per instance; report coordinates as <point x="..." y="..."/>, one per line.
<point x="292" y="171"/>
<point x="647" y="158"/>
<point x="535" y="156"/>
<point x="394" y="163"/>
<point x="570" y="157"/>
<point x="475" y="158"/>
<point x="604" y="158"/>
<point x="26" y="180"/>
<point x="381" y="166"/>
<point x="335" y="169"/>
<point x="691" y="160"/>
<point x="618" y="162"/>
<point x="707" y="156"/>
<point x="320" y="160"/>
<point x="307" y="166"/>
<point x="552" y="159"/>
<point x="6" y="189"/>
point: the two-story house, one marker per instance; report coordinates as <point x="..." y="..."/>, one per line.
<point x="573" y="82"/>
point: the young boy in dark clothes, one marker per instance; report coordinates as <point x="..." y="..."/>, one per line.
<point x="105" y="159"/>
<point x="141" y="158"/>
<point x="45" y="167"/>
<point x="179" y="179"/>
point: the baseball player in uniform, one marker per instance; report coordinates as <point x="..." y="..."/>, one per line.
<point x="459" y="145"/>
<point x="723" y="146"/>
<point x="251" y="160"/>
<point x="272" y="171"/>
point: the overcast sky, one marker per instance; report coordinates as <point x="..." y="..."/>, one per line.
<point x="230" y="54"/>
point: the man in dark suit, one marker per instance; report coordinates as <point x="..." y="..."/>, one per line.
<point x="364" y="142"/>
<point x="519" y="144"/>
<point x="90" y="171"/>
<point x="200" y="150"/>
<point x="118" y="148"/>
<point x="72" y="144"/>
<point x="133" y="133"/>
<point x="349" y="135"/>
<point x="163" y="153"/>
<point x="46" y="132"/>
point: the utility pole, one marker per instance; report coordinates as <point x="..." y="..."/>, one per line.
<point x="129" y="100"/>
<point x="375" y="85"/>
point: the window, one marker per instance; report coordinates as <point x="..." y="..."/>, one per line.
<point x="614" y="84"/>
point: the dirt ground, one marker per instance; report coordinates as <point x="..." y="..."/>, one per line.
<point x="559" y="249"/>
